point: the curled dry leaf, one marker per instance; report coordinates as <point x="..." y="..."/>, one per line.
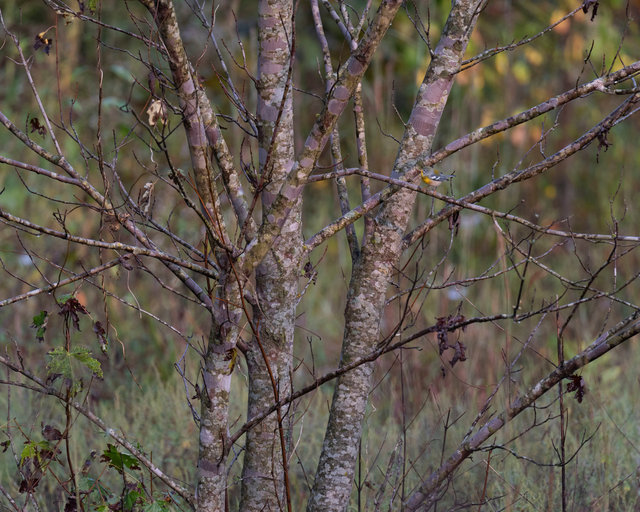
<point x="69" y="309"/>
<point x="101" y="334"/>
<point x="157" y="112"/>
<point x="444" y="325"/>
<point x="34" y="122"/>
<point x="578" y="386"/>
<point x="145" y="198"/>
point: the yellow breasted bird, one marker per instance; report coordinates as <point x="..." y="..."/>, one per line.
<point x="433" y="178"/>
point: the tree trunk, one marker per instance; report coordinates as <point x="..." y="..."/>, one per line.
<point x="269" y="358"/>
<point x="219" y="362"/>
<point x="371" y="273"/>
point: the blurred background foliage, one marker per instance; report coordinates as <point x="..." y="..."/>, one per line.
<point x="590" y="192"/>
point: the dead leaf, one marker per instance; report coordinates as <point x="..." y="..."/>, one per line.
<point x="157" y="112"/>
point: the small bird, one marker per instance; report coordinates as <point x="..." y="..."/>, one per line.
<point x="433" y="178"/>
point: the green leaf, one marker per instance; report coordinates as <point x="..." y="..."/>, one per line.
<point x="31" y="449"/>
<point x="62" y="299"/>
<point x="119" y="460"/>
<point x="86" y="483"/>
<point x="131" y="498"/>
<point x="156" y="506"/>
<point x="72" y="364"/>
<point x="40" y="324"/>
<point x="84" y="356"/>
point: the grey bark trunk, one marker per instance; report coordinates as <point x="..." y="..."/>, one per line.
<point x="269" y="358"/>
<point x="220" y="356"/>
<point x="370" y="276"/>
<point x="216" y="371"/>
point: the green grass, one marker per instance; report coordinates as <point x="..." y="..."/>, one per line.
<point x="602" y="476"/>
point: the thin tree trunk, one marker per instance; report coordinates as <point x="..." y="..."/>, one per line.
<point x="220" y="356"/>
<point x="371" y="273"/>
<point x="218" y="366"/>
<point x="270" y="353"/>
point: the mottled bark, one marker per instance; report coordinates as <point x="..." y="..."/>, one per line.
<point x="278" y="248"/>
<point x="269" y="357"/>
<point x="246" y="273"/>
<point x="334" y="478"/>
<point x="350" y="75"/>
<point x="219" y="362"/>
<point x="365" y="301"/>
<point x="220" y="356"/>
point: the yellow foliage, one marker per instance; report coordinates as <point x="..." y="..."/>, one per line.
<point x="488" y="117"/>
<point x="619" y="62"/>
<point x="533" y="55"/>
<point x="420" y="72"/>
<point x="521" y="72"/>
<point x="564" y="27"/>
<point x="502" y="63"/>
<point x="550" y="192"/>
<point x="576" y="47"/>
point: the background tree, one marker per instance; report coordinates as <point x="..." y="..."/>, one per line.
<point x="175" y="160"/>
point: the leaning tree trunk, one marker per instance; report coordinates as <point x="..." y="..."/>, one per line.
<point x="204" y="141"/>
<point x="372" y="271"/>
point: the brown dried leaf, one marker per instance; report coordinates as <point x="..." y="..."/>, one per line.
<point x="578" y="385"/>
<point x="157" y="112"/>
<point x="37" y="127"/>
<point x="70" y="309"/>
<point x="101" y="334"/>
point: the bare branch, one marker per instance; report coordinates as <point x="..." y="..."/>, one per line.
<point x="615" y="336"/>
<point x="114" y="246"/>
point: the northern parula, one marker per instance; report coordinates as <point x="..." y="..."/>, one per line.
<point x="433" y="178"/>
